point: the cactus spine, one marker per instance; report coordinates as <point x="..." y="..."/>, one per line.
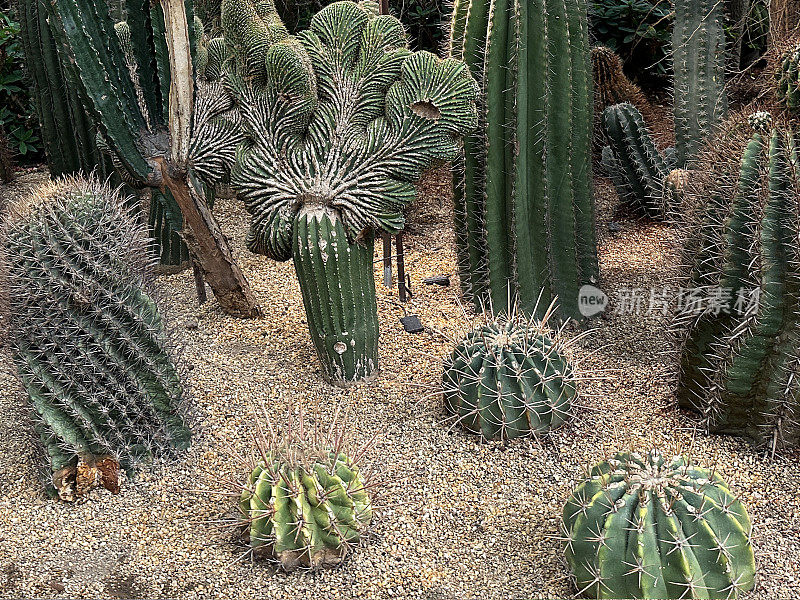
<point x="509" y="378"/>
<point x="638" y="169"/>
<point x="739" y="363"/>
<point x="523" y="204"/>
<point x="86" y="337"/>
<point x="339" y="122"/>
<point x="698" y="48"/>
<point x="787" y="76"/>
<point x="652" y="527"/>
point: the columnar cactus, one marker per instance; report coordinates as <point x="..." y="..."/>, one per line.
<point x="787" y="76"/>
<point x="340" y="121"/>
<point x="636" y="166"/>
<point x="87" y="339"/>
<point x="509" y="378"/>
<point x="524" y="213"/>
<point x="739" y="362"/>
<point x="698" y="50"/>
<point x="306" y="503"/>
<point x="653" y="527"/>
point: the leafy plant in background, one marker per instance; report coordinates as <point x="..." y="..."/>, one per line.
<point x="17" y="114"/>
<point x="637" y="30"/>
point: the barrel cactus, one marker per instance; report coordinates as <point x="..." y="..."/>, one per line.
<point x="787" y="76"/>
<point x="85" y="336"/>
<point x="654" y="527"/>
<point x="306" y="502"/>
<point x="509" y="378"/>
<point x="739" y="363"/>
<point x="524" y="213"/>
<point x="340" y="121"/>
<point x="639" y="171"/>
<point x="611" y="85"/>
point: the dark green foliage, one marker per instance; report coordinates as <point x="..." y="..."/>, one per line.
<point x="86" y="337"/>
<point x="509" y="378"/>
<point x="636" y="166"/>
<point x="739" y="362"/>
<point x="660" y="528"/>
<point x="524" y="213"/>
<point x="637" y="30"/>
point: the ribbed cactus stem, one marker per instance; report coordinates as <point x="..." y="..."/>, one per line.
<point x="698" y="47"/>
<point x="787" y="77"/>
<point x="524" y="213"/>
<point x="338" y="286"/>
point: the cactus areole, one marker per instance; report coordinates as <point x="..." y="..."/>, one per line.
<point x="339" y="123"/>
<point x="654" y="527"/>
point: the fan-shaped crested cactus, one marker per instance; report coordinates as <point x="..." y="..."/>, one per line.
<point x="788" y="79"/>
<point x="306" y="502"/>
<point x="524" y="212"/>
<point x="340" y="122"/>
<point x="509" y="378"/>
<point x="739" y="361"/>
<point x="636" y="166"/>
<point x="653" y="527"/>
<point x="86" y="338"/>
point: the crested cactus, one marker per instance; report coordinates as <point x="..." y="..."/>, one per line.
<point x="137" y="82"/>
<point x="306" y="502"/>
<point x="524" y="213"/>
<point x="698" y="50"/>
<point x="85" y="336"/>
<point x="653" y="527"/>
<point x="787" y="76"/>
<point x="509" y="378"/>
<point x="739" y="362"/>
<point x="340" y="121"/>
<point x="639" y="171"/>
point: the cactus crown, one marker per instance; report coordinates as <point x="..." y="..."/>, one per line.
<point x="341" y="118"/>
<point x="87" y="340"/>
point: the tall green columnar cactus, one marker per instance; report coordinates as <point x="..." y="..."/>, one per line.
<point x="638" y="169"/>
<point x="524" y="215"/>
<point x="87" y="339"/>
<point x="739" y="364"/>
<point x="653" y="527"/>
<point x="67" y="134"/>
<point x="138" y="84"/>
<point x="698" y="50"/>
<point x="340" y="122"/>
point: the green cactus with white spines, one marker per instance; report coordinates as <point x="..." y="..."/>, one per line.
<point x="698" y="52"/>
<point x="654" y="527"/>
<point x="508" y="378"/>
<point x="340" y="121"/>
<point x="87" y="339"/>
<point x="637" y="168"/>
<point x="524" y="211"/>
<point x="739" y="362"/>
<point x="787" y="77"/>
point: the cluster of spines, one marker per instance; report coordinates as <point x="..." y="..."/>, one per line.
<point x="787" y="77"/>
<point x="611" y="85"/>
<point x="652" y="527"/>
<point x="633" y="161"/>
<point x="738" y="357"/>
<point x="519" y="219"/>
<point x="698" y="50"/>
<point x="87" y="339"/>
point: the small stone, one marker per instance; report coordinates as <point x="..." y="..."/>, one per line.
<point x="192" y="324"/>
<point x="56" y="585"/>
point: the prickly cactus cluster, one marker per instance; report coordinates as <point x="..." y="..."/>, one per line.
<point x="787" y="76"/>
<point x="611" y="85"/>
<point x="509" y="378"/>
<point x="306" y="502"/>
<point x="739" y="362"/>
<point x="86" y="338"/>
<point x="657" y="527"/>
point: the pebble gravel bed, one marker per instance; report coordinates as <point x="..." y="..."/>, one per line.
<point x="456" y="518"/>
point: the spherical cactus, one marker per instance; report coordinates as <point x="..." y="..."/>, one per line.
<point x="305" y="515"/>
<point x="652" y="527"/>
<point x="788" y="79"/>
<point x="509" y="378"/>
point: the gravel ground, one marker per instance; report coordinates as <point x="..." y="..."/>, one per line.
<point x="457" y="518"/>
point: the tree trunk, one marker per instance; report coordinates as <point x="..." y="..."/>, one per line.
<point x="208" y="244"/>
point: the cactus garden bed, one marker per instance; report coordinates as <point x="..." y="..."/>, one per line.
<point x="455" y="517"/>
